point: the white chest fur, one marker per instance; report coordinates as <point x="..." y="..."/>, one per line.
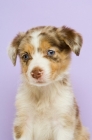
<point x="43" y="110"/>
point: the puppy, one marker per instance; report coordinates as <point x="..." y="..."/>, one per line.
<point x="45" y="103"/>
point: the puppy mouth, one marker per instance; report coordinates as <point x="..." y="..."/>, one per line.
<point x="40" y="81"/>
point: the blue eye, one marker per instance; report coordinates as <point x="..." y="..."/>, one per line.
<point x="50" y="52"/>
<point x="25" y="56"/>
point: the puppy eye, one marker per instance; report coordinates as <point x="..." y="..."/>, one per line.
<point x="25" y="56"/>
<point x="50" y="52"/>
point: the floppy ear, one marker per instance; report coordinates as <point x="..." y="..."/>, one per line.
<point x="71" y="38"/>
<point x="13" y="48"/>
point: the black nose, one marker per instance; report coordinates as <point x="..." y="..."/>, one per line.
<point x="37" y="73"/>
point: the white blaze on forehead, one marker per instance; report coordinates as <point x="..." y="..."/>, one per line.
<point x="38" y="59"/>
<point x="35" y="39"/>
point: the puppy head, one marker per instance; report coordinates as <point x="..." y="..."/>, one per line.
<point x="45" y="53"/>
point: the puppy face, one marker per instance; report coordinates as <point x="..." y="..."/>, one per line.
<point x="45" y="53"/>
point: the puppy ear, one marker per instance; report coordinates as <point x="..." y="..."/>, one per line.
<point x="13" y="48"/>
<point x="71" y="38"/>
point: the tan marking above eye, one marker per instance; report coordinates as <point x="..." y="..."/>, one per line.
<point x="26" y="48"/>
<point x="45" y="46"/>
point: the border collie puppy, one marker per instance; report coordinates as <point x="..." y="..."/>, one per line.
<point x="46" y="108"/>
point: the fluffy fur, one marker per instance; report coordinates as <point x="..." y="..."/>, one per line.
<point x="46" y="107"/>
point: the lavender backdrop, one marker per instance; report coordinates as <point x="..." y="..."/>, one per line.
<point x="21" y="15"/>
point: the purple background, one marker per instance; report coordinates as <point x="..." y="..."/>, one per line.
<point x="21" y="15"/>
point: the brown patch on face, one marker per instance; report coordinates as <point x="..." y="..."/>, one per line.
<point x="62" y="42"/>
<point x="54" y="40"/>
<point x="60" y="60"/>
<point x="44" y="46"/>
<point x="25" y="49"/>
<point x="61" y="66"/>
<point x="18" y="131"/>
